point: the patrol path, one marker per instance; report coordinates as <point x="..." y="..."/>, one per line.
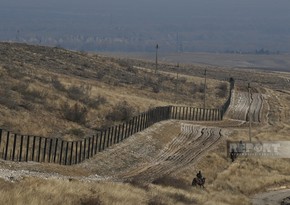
<point x="239" y="108"/>
<point x="185" y="149"/>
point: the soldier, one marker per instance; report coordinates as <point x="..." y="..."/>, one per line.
<point x="241" y="147"/>
<point x="233" y="155"/>
<point x="199" y="175"/>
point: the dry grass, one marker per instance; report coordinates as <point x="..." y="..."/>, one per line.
<point x="31" y="78"/>
<point x="38" y="191"/>
<point x="37" y="81"/>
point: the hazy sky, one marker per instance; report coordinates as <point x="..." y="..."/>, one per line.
<point x="214" y="22"/>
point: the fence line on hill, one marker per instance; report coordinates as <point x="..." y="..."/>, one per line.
<point x="23" y="148"/>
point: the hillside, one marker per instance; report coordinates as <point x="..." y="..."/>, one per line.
<point x="40" y="85"/>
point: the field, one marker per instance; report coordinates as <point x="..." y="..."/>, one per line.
<point x="272" y="62"/>
<point x="155" y="166"/>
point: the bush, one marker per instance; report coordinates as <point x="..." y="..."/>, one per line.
<point x="36" y="96"/>
<point x="94" y="103"/>
<point x="20" y="87"/>
<point x="76" y="93"/>
<point x="194" y="88"/>
<point x="201" y="88"/>
<point x="75" y="113"/>
<point x="121" y="112"/>
<point x="30" y="95"/>
<point x="79" y="93"/>
<point x="156" y="88"/>
<point x="223" y="90"/>
<point x="82" y="94"/>
<point x="8" y="102"/>
<point x="76" y="132"/>
<point x="57" y="85"/>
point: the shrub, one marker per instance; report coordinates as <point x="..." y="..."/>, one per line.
<point x="79" y="93"/>
<point x="201" y="88"/>
<point x="75" y="93"/>
<point x="38" y="96"/>
<point x="182" y="80"/>
<point x="147" y="81"/>
<point x="194" y="88"/>
<point x="82" y="94"/>
<point x="75" y="113"/>
<point x="30" y="95"/>
<point x="57" y="85"/>
<point x="121" y="112"/>
<point x="131" y="69"/>
<point x="124" y="63"/>
<point x="156" y="88"/>
<point x="223" y="90"/>
<point x="77" y="132"/>
<point x="8" y="102"/>
<point x="14" y="72"/>
<point x="94" y="103"/>
<point x="20" y="87"/>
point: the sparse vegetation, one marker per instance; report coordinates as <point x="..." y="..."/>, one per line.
<point x="121" y="112"/>
<point x="75" y="113"/>
<point x="222" y="90"/>
<point x="77" y="132"/>
<point x="31" y="115"/>
<point x="7" y="100"/>
<point x="79" y="93"/>
<point x="58" y="85"/>
<point x="34" y="95"/>
<point x="95" y="102"/>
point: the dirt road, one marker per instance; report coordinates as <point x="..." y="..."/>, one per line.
<point x="239" y="108"/>
<point x="186" y="148"/>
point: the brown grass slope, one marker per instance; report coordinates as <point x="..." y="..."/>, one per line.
<point x="227" y="183"/>
<point x="54" y="92"/>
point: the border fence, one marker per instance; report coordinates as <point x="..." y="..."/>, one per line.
<point x="23" y="148"/>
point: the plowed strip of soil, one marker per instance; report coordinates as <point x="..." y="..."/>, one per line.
<point x="181" y="151"/>
<point x="239" y="108"/>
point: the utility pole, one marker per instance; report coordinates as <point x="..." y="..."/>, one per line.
<point x="204" y="97"/>
<point x="156" y="58"/>
<point x="249" y="113"/>
<point x="17" y="35"/>
<point x="177" y="70"/>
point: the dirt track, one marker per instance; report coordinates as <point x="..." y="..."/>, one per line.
<point x="144" y="158"/>
<point x="239" y="108"/>
<point x="184" y="149"/>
